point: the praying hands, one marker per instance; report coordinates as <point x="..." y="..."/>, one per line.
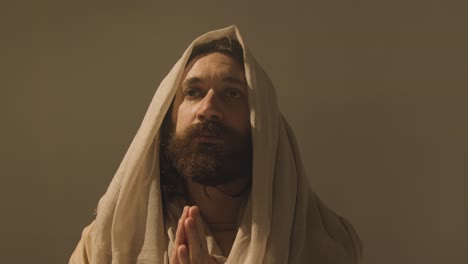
<point x="190" y="244"/>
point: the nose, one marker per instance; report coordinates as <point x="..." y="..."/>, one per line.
<point x="210" y="108"/>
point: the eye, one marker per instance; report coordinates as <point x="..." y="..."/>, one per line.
<point x="192" y="92"/>
<point x="233" y="93"/>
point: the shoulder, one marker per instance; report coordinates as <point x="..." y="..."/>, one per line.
<point x="82" y="252"/>
<point x="338" y="229"/>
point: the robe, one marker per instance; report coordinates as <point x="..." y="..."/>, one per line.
<point x="284" y="221"/>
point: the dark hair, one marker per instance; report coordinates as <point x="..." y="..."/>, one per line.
<point x="226" y="45"/>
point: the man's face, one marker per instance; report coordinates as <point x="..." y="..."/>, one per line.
<point x="213" y="88"/>
<point x="211" y="140"/>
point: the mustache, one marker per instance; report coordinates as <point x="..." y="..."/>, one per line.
<point x="211" y="128"/>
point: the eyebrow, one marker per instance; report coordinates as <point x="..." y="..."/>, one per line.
<point x="193" y="80"/>
<point x="229" y="79"/>
<point x="233" y="80"/>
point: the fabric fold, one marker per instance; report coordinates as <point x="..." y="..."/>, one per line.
<point x="283" y="220"/>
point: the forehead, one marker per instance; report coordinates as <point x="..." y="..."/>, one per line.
<point x="213" y="65"/>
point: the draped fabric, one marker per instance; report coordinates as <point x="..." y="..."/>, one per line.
<point x="283" y="222"/>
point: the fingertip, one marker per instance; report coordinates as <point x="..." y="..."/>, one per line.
<point x="194" y="211"/>
<point x="182" y="251"/>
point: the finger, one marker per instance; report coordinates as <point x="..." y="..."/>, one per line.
<point x="185" y="211"/>
<point x="193" y="241"/>
<point x="180" y="233"/>
<point x="174" y="256"/>
<point x="183" y="255"/>
<point x="194" y="212"/>
<point x="180" y="237"/>
<point x="179" y="240"/>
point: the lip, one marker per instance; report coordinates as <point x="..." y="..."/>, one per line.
<point x="209" y="139"/>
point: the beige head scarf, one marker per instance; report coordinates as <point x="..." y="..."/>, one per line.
<point x="284" y="221"/>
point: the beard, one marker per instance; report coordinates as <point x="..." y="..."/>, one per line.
<point x="209" y="163"/>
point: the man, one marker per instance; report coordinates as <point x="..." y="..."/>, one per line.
<point x="214" y="175"/>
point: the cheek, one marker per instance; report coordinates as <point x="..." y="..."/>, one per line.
<point x="243" y="121"/>
<point x="184" y="118"/>
<point x="247" y="123"/>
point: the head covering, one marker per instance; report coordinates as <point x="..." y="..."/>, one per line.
<point x="283" y="222"/>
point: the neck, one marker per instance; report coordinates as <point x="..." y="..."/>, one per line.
<point x="215" y="203"/>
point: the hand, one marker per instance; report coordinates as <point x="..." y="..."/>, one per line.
<point x="190" y="243"/>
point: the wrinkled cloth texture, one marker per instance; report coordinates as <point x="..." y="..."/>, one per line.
<point x="283" y="222"/>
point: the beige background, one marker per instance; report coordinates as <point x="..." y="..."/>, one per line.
<point x="376" y="92"/>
